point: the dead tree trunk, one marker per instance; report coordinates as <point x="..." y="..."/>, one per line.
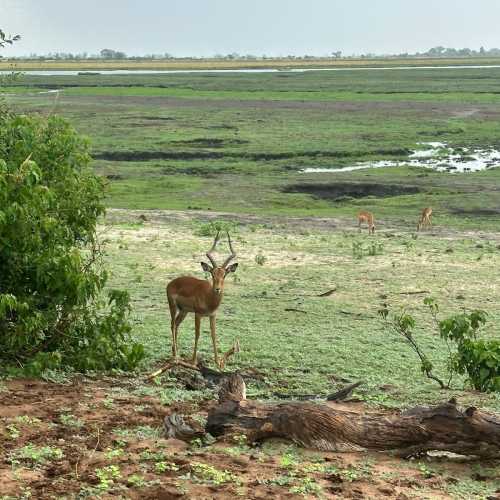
<point x="443" y="427"/>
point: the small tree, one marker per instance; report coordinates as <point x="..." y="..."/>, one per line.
<point x="7" y="39"/>
<point x="53" y="311"/>
<point x="476" y="358"/>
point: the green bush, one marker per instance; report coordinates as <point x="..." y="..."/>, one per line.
<point x="53" y="312"/>
<point x="213" y="227"/>
<point x="476" y="358"/>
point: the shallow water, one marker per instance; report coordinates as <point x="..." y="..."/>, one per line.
<point x="261" y="70"/>
<point x="436" y="155"/>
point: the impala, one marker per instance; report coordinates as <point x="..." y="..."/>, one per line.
<point x="192" y="295"/>
<point x="367" y="217"/>
<point x="425" y="218"/>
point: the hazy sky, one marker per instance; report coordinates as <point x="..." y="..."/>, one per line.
<point x="272" y="27"/>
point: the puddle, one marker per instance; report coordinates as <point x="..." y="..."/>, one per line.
<point x="436" y="155"/>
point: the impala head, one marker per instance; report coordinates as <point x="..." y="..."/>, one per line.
<point x="219" y="273"/>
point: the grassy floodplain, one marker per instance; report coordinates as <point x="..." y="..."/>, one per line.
<point x="183" y="150"/>
<point x="238" y="142"/>
<point x="197" y="144"/>
<point x="217" y="64"/>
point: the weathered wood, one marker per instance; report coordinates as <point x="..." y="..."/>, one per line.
<point x="443" y="427"/>
<point x="340" y="395"/>
<point x="176" y="362"/>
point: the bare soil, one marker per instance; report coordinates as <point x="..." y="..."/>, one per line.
<point x="111" y="418"/>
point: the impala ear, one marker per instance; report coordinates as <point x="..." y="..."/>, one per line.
<point x="232" y="268"/>
<point x="206" y="267"/>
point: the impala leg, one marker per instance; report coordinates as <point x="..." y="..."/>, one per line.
<point x="214" y="340"/>
<point x="173" y="314"/>
<point x="178" y="320"/>
<point x="197" y="325"/>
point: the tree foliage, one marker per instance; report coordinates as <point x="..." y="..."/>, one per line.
<point x="53" y="310"/>
<point x="470" y="354"/>
<point x="7" y="39"/>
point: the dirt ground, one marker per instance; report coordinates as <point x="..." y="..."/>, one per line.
<point x="117" y="215"/>
<point x="110" y="444"/>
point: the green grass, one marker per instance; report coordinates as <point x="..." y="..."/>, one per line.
<point x="339" y="337"/>
<point x="236" y="142"/>
<point x="286" y="95"/>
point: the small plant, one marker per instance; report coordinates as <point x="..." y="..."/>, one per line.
<point x="213" y="475"/>
<point x="165" y="466"/>
<point x="426" y="471"/>
<point x="107" y="476"/>
<point x="12" y="431"/>
<point x="404" y="325"/>
<point x="469" y="355"/>
<point x="27" y="420"/>
<point x="108" y="403"/>
<point x="357" y="250"/>
<point x="136" y="481"/>
<point x="36" y="455"/>
<point x="478" y="359"/>
<point x="260" y="259"/>
<point x="112" y="453"/>
<point x="375" y="249"/>
<point x="307" y="486"/>
<point x="71" y="421"/>
<point x="211" y="228"/>
<point x="289" y="461"/>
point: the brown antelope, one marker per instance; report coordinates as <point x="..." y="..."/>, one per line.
<point x="425" y="218"/>
<point x="187" y="294"/>
<point x="367" y="217"/>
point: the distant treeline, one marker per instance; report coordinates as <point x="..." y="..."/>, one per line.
<point x="438" y="51"/>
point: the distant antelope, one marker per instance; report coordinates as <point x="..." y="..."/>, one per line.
<point x="187" y="294"/>
<point x="425" y="218"/>
<point x="367" y="217"/>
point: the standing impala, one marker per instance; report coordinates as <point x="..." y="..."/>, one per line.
<point x="367" y="217"/>
<point x="187" y="294"/>
<point x="425" y="218"/>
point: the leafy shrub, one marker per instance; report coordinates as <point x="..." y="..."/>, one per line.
<point x="476" y="358"/>
<point x="373" y="249"/>
<point x="260" y="259"/>
<point x="53" y="312"/>
<point x="211" y="228"/>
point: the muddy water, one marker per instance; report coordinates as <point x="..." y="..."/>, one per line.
<point x="262" y="70"/>
<point x="436" y="155"/>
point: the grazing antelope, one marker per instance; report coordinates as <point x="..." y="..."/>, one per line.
<point x="367" y="217"/>
<point x="187" y="294"/>
<point x="425" y="218"/>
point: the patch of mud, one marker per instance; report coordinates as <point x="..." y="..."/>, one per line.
<point x="340" y="191"/>
<point x="254" y="156"/>
<point x="475" y="212"/>
<point x="114" y="177"/>
<point x="157" y="118"/>
<point x="437" y="156"/>
<point x="204" y="142"/>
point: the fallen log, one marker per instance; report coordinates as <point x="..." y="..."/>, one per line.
<point x="340" y="395"/>
<point x="176" y="362"/>
<point x="442" y="427"/>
